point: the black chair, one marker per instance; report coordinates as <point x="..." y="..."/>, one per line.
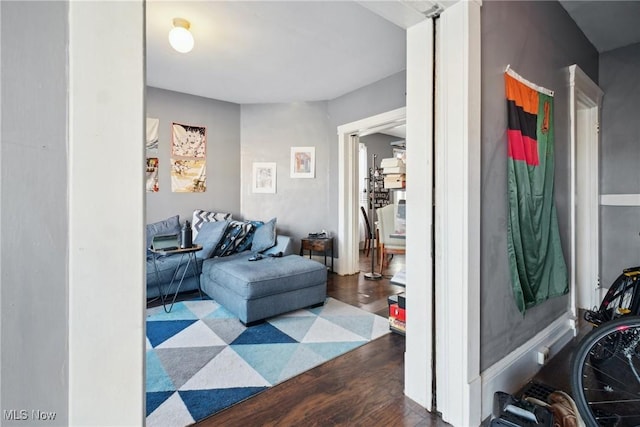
<point x="367" y="240"/>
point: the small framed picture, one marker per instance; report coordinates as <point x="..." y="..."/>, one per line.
<point x="303" y="162"/>
<point x="264" y="177"/>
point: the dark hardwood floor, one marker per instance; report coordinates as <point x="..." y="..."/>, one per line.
<point x="364" y="387"/>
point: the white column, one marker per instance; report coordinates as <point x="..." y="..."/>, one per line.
<point x="418" y="372"/>
<point x="458" y="215"/>
<point x="106" y="213"/>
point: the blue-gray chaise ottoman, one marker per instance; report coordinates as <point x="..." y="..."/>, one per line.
<point x="256" y="290"/>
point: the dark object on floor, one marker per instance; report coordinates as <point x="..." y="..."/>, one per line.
<point x="537" y="390"/>
<point x="560" y="404"/>
<point x="509" y="411"/>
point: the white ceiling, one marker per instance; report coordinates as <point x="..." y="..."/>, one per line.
<point x="287" y="51"/>
<point x="273" y="51"/>
<point x="607" y="24"/>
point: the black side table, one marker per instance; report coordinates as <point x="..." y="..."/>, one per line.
<point x="191" y="261"/>
<point x="315" y="244"/>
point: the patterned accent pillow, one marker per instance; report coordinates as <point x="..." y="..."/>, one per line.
<point x="237" y="238"/>
<point x="200" y="217"/>
<point x="248" y="239"/>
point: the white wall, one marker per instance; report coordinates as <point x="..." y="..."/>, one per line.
<point x="106" y="213"/>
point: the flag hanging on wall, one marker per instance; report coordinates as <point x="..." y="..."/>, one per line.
<point x="537" y="266"/>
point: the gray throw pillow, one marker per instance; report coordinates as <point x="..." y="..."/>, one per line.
<point x="170" y="225"/>
<point x="264" y="237"/>
<point x="209" y="236"/>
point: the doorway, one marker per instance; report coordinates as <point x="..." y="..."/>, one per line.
<point x="585" y="105"/>
<point x="348" y="182"/>
<point x="380" y="184"/>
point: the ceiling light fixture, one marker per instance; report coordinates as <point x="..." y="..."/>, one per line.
<point x="180" y="37"/>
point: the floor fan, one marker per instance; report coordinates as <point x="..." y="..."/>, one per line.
<point x="371" y="186"/>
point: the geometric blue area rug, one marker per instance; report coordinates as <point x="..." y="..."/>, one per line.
<point x="201" y="359"/>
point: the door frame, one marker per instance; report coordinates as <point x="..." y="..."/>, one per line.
<point x="457" y="216"/>
<point x="457" y="246"/>
<point x="348" y="201"/>
<point x="585" y="104"/>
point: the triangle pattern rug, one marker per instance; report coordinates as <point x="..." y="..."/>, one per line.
<point x="201" y="359"/>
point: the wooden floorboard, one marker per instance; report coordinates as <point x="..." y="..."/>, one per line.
<point x="364" y="387"/>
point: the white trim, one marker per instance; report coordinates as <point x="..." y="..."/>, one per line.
<point x="419" y="142"/>
<point x="400" y="12"/>
<point x="513" y="371"/>
<point x="347" y="261"/>
<point x="585" y="101"/>
<point x="459" y="394"/>
<point x="620" y="199"/>
<point x="590" y="93"/>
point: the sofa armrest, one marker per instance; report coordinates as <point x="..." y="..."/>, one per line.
<point x="284" y="244"/>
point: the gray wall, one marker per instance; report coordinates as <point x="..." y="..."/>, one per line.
<point x="620" y="157"/>
<point x="384" y="95"/>
<point x="379" y="144"/>
<point x="222" y="120"/>
<point x="540" y="41"/>
<point x="237" y="136"/>
<point x="268" y="133"/>
<point x="270" y="130"/>
<point x="33" y="195"/>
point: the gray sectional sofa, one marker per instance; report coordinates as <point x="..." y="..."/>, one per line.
<point x="256" y="290"/>
<point x="252" y="290"/>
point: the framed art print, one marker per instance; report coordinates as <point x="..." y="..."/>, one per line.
<point x="303" y="162"/>
<point x="264" y="177"/>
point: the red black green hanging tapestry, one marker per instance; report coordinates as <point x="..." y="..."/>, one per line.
<point x="537" y="266"/>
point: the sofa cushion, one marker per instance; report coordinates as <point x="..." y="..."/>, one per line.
<point x="167" y="267"/>
<point x="237" y="238"/>
<point x="209" y="236"/>
<point x="201" y="216"/>
<point x="264" y="236"/>
<point x="268" y="276"/>
<point x="170" y="225"/>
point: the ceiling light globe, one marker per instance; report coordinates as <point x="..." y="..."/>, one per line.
<point x="181" y="39"/>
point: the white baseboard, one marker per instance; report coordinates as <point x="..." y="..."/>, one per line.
<point x="513" y="371"/>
